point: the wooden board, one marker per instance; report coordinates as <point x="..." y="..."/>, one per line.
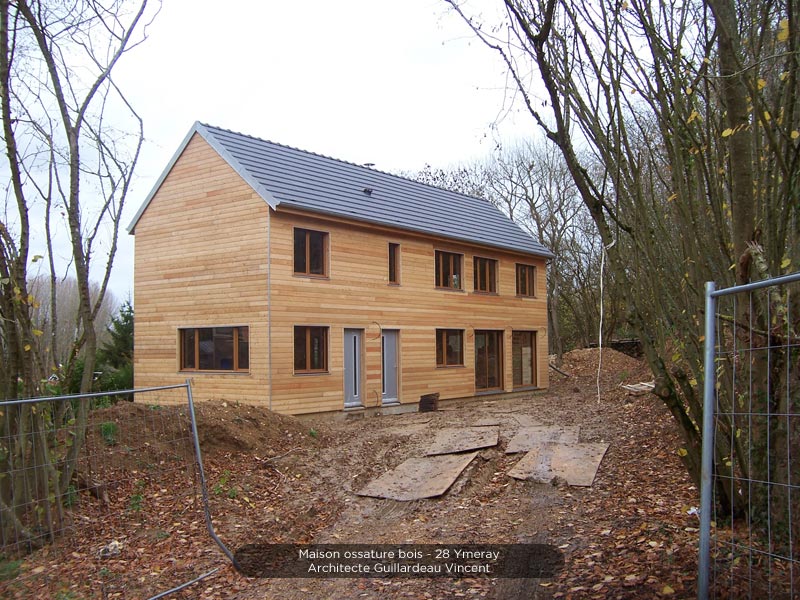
<point x="528" y="438"/>
<point x="461" y="439"/>
<point x="576" y="463"/>
<point x="419" y="478"/>
<point x="486" y="422"/>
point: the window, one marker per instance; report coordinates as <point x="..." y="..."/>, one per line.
<point x="526" y="279"/>
<point x="310" y="349"/>
<point x="488" y="360"/>
<point x="215" y="349"/>
<point x="485" y="271"/>
<point x="310" y="250"/>
<point x="448" y="270"/>
<point x="523" y="357"/>
<point x="394" y="264"/>
<point x="449" y="348"/>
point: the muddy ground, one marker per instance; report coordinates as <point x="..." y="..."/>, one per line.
<point x="279" y="479"/>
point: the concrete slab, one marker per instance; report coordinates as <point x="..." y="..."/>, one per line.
<point x="576" y="463"/>
<point x="528" y="438"/>
<point x="461" y="439"/>
<point x="419" y="478"/>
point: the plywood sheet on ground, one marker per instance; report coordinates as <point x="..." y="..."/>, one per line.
<point x="419" y="478"/>
<point x="486" y="422"/>
<point x="576" y="463"/>
<point x="461" y="439"/>
<point x="528" y="438"/>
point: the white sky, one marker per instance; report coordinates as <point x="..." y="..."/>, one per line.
<point x="395" y="83"/>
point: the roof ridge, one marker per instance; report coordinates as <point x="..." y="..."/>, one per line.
<point x="342" y="161"/>
<point x="284" y="175"/>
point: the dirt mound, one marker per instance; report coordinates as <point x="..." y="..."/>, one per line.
<point x="584" y="362"/>
<point x="224" y="427"/>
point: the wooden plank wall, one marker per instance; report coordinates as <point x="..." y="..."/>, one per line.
<point x="201" y="260"/>
<point x="357" y="294"/>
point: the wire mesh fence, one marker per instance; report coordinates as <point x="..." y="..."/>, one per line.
<point x="750" y="496"/>
<point x="91" y="487"/>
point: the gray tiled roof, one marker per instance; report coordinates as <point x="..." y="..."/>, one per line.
<point x="287" y="177"/>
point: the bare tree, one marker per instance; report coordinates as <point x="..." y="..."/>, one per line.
<point x="61" y="320"/>
<point x="70" y="167"/>
<point x="531" y="182"/>
<point x="691" y="109"/>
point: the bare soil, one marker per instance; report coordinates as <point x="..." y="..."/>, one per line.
<point x="276" y="479"/>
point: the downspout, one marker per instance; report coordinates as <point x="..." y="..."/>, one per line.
<point x="269" y="307"/>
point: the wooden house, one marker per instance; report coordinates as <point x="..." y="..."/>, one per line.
<point x="280" y="277"/>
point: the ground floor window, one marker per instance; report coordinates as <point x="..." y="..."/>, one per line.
<point x="523" y="357"/>
<point x="310" y="349"/>
<point x="488" y="360"/>
<point x="449" y="347"/>
<point x="215" y="348"/>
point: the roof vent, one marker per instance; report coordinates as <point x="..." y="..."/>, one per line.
<point x="368" y="191"/>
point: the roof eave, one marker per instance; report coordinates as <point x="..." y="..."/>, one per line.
<point x="462" y="240"/>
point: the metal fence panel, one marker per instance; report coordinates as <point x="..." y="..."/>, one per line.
<point x="750" y="542"/>
<point x="138" y="468"/>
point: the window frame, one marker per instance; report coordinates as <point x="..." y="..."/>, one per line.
<point x="455" y="259"/>
<point x="307" y="248"/>
<point x="442" y="338"/>
<point x="394" y="263"/>
<point x="236" y="359"/>
<point x="491" y="267"/>
<point x="325" y="350"/>
<point x="515" y="347"/>
<point x="483" y="369"/>
<point x="529" y="290"/>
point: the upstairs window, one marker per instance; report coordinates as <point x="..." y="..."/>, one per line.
<point x="485" y="275"/>
<point x="394" y="264"/>
<point x="310" y="349"/>
<point x="310" y="252"/>
<point x="449" y="347"/>
<point x="215" y="349"/>
<point x="526" y="279"/>
<point x="448" y="270"/>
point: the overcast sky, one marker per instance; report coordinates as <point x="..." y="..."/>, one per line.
<point x="397" y="84"/>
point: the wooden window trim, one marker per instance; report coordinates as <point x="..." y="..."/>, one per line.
<point x="441" y="343"/>
<point x="325" y="350"/>
<point x="530" y="288"/>
<point x="394" y="263"/>
<point x="491" y="267"/>
<point x="454" y="259"/>
<point x="196" y="369"/>
<point x="534" y="367"/>
<point x="500" y="360"/>
<point x="325" y="253"/>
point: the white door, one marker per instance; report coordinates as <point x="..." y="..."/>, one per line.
<point x="389" y="371"/>
<point x="352" y="368"/>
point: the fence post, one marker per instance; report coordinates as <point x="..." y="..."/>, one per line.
<point x="202" y="476"/>
<point x="709" y="382"/>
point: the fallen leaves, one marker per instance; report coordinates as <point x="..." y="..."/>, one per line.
<point x="628" y="536"/>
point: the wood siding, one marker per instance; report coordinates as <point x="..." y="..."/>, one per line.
<point x="201" y="260"/>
